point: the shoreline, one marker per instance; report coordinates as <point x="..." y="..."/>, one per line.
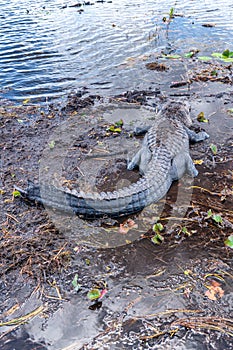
<point x="36" y="257"/>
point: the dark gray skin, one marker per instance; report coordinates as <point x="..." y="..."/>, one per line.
<point x="163" y="158"/>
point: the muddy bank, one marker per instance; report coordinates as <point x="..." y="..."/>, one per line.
<point x="177" y="293"/>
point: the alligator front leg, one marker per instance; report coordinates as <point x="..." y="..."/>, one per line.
<point x="196" y="137"/>
<point x="142" y="158"/>
<point x="141" y="130"/>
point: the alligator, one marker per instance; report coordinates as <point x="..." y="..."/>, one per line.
<point x="163" y="158"/>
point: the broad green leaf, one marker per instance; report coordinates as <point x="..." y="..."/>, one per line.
<point x="185" y="231"/>
<point x="118" y="130"/>
<point x="226" y="53"/>
<point x="94" y="294"/>
<point x="226" y="56"/>
<point x="158" y="227"/>
<point x="217" y="218"/>
<point x="229" y="59"/>
<point x="229" y="241"/>
<point x="113" y="128"/>
<point x="173" y="57"/>
<point x="214" y="73"/>
<point x="230" y="110"/>
<point x="16" y="193"/>
<point x="204" y="58"/>
<point x="171" y="12"/>
<point x="189" y="54"/>
<point x="119" y="123"/>
<point x="201" y="118"/>
<point x="213" y="149"/>
<point x="217" y="54"/>
<point x="157" y="239"/>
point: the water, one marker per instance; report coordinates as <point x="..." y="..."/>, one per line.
<point x="47" y="50"/>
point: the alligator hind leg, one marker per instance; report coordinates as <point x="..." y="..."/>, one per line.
<point x="181" y="164"/>
<point x="196" y="137"/>
<point x="190" y="167"/>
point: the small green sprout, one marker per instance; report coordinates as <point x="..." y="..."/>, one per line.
<point x="214" y="149"/>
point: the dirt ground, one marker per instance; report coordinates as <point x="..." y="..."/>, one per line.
<point x="191" y="263"/>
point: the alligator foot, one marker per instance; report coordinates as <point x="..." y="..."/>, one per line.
<point x="141" y="130"/>
<point x="141" y="160"/>
<point x="196" y="137"/>
<point x="190" y="167"/>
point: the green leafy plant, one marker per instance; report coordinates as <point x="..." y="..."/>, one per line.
<point x="185" y="231"/>
<point x="94" y="294"/>
<point x="158" y="227"/>
<point x="87" y="261"/>
<point x="215" y="217"/>
<point x="201" y="118"/>
<point x="113" y="128"/>
<point x="116" y="127"/>
<point x="75" y="283"/>
<point x="172" y="57"/>
<point x="157" y="238"/>
<point x="226" y="55"/>
<point x="204" y="58"/>
<point x="214" y="149"/>
<point x="229" y="242"/>
<point x="170" y="16"/>
<point x="214" y="73"/>
<point x="52" y="144"/>
<point x="171" y="13"/>
<point x="16" y="194"/>
<point x="119" y="123"/>
<point x="191" y="53"/>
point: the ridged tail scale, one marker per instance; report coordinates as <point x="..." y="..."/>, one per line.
<point x="150" y="188"/>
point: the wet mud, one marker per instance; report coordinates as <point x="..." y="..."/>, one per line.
<point x="176" y="294"/>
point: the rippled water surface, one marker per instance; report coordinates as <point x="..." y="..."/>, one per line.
<point x="48" y="48"/>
